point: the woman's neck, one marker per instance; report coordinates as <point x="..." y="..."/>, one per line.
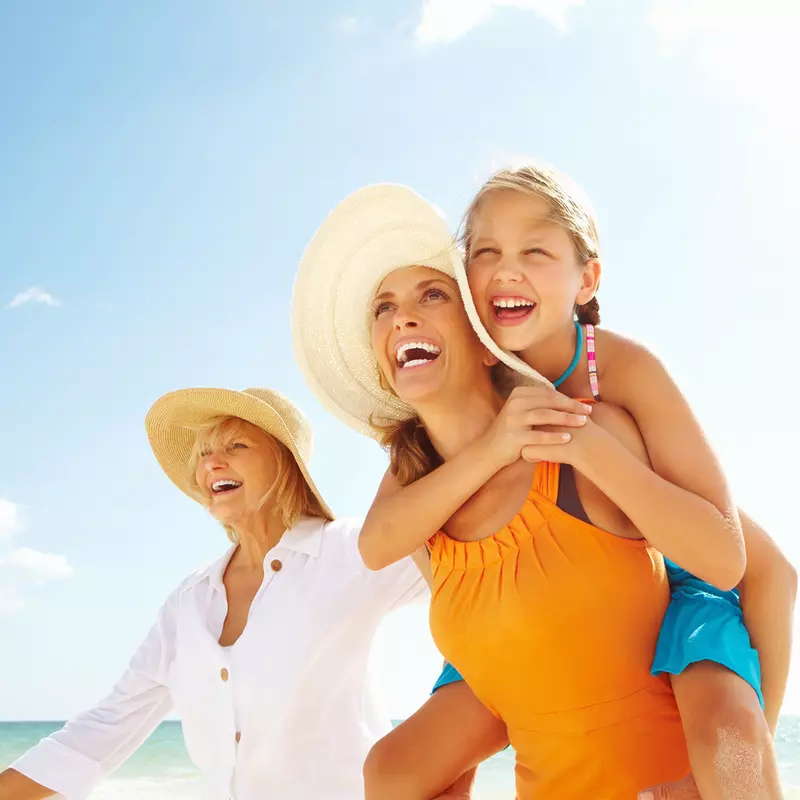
<point x="454" y="425"/>
<point x="552" y="356"/>
<point x="257" y="535"/>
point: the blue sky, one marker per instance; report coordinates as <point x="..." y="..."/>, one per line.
<point x="164" y="165"/>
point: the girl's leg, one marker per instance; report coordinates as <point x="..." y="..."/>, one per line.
<point x="434" y="749"/>
<point x="727" y="736"/>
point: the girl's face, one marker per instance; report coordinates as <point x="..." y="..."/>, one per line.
<point x="422" y="337"/>
<point x="523" y="270"/>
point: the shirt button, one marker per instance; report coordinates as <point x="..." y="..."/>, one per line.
<point x="276" y="565"/>
<point x="223" y="673"/>
<point x="238" y="737"/>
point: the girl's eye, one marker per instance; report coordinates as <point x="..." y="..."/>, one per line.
<point x="237" y="446"/>
<point x="537" y="251"/>
<point x="482" y="251"/>
<point x="205" y="453"/>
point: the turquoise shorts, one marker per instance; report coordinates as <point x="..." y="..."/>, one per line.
<point x="702" y="623"/>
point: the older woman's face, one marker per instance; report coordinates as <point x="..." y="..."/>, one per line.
<point x="421" y="336"/>
<point x="236" y="470"/>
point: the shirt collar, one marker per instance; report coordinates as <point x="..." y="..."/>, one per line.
<point x="304" y="537"/>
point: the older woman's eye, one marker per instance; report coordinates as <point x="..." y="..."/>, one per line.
<point x="436" y="294"/>
<point x="380" y="309"/>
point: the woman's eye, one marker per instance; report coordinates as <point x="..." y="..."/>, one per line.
<point x="380" y="309"/>
<point x="435" y="294"/>
<point x="237" y="446"/>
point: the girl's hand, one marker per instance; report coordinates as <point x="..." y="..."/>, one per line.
<point x="585" y="442"/>
<point x="520" y="422"/>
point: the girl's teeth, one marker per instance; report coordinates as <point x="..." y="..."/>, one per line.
<point x="511" y="303"/>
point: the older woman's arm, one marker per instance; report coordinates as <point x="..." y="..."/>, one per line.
<point x="71" y="761"/>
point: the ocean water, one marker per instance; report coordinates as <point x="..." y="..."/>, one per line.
<point x="161" y="769"/>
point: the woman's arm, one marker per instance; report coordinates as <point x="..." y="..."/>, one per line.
<point x="16" y="786"/>
<point x="683" y="507"/>
<point x="768" y="594"/>
<point x="72" y="760"/>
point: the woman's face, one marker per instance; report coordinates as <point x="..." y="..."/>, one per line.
<point x="422" y="338"/>
<point x="236" y="469"/>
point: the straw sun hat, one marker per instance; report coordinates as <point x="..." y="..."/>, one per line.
<point x="172" y="427"/>
<point x="371" y="233"/>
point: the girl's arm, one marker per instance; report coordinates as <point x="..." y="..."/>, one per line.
<point x="768" y="593"/>
<point x="403" y="518"/>
<point x="683" y="507"/>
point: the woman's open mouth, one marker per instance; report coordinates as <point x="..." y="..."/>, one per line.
<point x="410" y="355"/>
<point x="225" y="486"/>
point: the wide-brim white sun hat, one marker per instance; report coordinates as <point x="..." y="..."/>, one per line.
<point x="370" y="234"/>
<point x="173" y="420"/>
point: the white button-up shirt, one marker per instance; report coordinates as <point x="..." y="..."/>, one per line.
<point x="295" y="687"/>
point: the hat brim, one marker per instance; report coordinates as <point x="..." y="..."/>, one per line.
<point x="173" y="419"/>
<point x="370" y="234"/>
<point x="504" y="356"/>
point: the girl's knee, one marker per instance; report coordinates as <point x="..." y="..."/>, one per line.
<point x="717" y="705"/>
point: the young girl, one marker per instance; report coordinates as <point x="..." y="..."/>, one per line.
<point x="533" y="269"/>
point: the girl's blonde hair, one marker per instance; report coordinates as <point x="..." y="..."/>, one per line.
<point x="290" y="493"/>
<point x="569" y="208"/>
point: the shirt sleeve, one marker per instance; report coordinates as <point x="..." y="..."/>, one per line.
<point x="72" y="760"/>
<point x="401" y="584"/>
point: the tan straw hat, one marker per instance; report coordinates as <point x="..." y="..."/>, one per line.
<point x="371" y="233"/>
<point x="172" y="427"/>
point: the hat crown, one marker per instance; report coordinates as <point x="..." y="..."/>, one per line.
<point x="295" y="421"/>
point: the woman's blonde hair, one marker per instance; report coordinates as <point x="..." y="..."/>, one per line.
<point x="569" y="208"/>
<point x="411" y="453"/>
<point x="290" y="493"/>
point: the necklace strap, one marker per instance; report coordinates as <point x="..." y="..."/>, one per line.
<point x="594" y="382"/>
<point x="577" y="357"/>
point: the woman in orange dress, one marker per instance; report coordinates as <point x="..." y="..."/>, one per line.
<point x="546" y="597"/>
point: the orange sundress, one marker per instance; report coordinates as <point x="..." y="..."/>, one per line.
<point x="553" y="624"/>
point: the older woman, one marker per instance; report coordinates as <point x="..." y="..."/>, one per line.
<point x="264" y="654"/>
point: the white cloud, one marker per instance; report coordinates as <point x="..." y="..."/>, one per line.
<point x="747" y="48"/>
<point x="10" y="601"/>
<point x="447" y="20"/>
<point x="37" y="564"/>
<point x="22" y="567"/>
<point x="9" y="518"/>
<point x="349" y="26"/>
<point x="33" y="295"/>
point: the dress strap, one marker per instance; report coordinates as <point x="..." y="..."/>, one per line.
<point x="594" y="383"/>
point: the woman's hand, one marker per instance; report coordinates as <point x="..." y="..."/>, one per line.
<point x="533" y="418"/>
